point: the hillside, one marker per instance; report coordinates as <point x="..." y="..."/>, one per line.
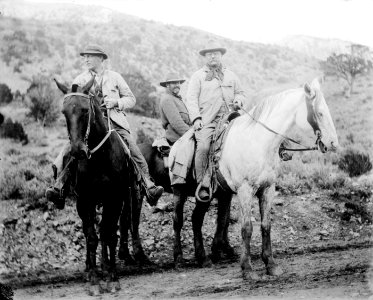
<point x="315" y="47"/>
<point x="47" y="38"/>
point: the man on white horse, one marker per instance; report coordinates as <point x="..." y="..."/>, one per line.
<point x="212" y="92"/>
<point x="117" y="97"/>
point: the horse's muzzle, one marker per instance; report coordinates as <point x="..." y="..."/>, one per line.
<point x="80" y="151"/>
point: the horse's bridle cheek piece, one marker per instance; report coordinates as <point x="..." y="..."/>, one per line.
<point x="91" y="112"/>
<point x="312" y="117"/>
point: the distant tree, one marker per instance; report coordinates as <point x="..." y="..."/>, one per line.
<point x="6" y="95"/>
<point x="146" y="103"/>
<point x="42" y="99"/>
<point x="349" y="65"/>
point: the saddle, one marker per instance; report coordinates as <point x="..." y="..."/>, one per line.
<point x="182" y="154"/>
<point x="216" y="149"/>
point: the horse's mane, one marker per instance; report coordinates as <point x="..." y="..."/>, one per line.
<point x="268" y="104"/>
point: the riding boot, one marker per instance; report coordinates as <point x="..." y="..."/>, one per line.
<point x="204" y="191"/>
<point x="58" y="192"/>
<point x="153" y="192"/>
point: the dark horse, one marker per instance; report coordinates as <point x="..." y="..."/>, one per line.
<point x="220" y="246"/>
<point x="103" y="178"/>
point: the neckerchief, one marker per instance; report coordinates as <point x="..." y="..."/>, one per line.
<point x="215" y="72"/>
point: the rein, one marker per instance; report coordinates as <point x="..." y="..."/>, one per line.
<point x="306" y="148"/>
<point x="90" y="112"/>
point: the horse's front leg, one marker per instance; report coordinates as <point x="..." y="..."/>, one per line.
<point x="197" y="222"/>
<point x="179" y="199"/>
<point x="265" y="200"/>
<point x="220" y="244"/>
<point x="245" y="195"/>
<point x="87" y="214"/>
<point x="109" y="239"/>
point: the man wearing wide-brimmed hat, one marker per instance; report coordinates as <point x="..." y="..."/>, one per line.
<point x="212" y="91"/>
<point x="174" y="114"/>
<point x="117" y="96"/>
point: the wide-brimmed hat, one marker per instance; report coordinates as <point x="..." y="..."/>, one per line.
<point x="212" y="46"/>
<point x="171" y="78"/>
<point x="95" y="50"/>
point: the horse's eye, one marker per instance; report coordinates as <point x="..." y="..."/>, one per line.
<point x="320" y="114"/>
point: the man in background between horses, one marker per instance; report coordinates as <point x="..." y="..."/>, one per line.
<point x="212" y="92"/>
<point x="116" y="96"/>
<point x="174" y="114"/>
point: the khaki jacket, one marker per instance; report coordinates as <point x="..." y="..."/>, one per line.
<point x="205" y="98"/>
<point x="113" y="86"/>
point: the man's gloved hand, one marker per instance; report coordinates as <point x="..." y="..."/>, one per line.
<point x="197" y="125"/>
<point x="237" y="104"/>
<point x="110" y="102"/>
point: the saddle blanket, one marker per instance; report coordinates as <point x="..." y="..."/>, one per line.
<point x="181" y="157"/>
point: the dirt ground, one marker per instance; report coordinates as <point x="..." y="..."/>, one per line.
<point x="323" y="246"/>
<point x="335" y="272"/>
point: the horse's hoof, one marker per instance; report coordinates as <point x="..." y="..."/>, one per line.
<point x="113" y="286"/>
<point x="179" y="262"/>
<point x="103" y="286"/>
<point x="274" y="270"/>
<point x="229" y="251"/>
<point x="250" y="275"/>
<point x="143" y="260"/>
<point x="205" y="263"/>
<point x="216" y="256"/>
<point x="93" y="290"/>
<point x="127" y="259"/>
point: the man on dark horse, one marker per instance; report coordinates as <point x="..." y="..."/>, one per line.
<point x="174" y="114"/>
<point x="213" y="91"/>
<point x="116" y="96"/>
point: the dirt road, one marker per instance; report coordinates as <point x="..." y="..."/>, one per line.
<point x="336" y="271"/>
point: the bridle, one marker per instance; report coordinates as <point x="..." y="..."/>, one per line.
<point x="311" y="120"/>
<point x="91" y="114"/>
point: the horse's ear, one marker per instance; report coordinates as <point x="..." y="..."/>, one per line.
<point x="89" y="84"/>
<point x="309" y="91"/>
<point x="315" y="84"/>
<point x="60" y="86"/>
<point x="74" y="88"/>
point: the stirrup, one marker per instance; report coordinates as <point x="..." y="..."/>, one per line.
<point x="197" y="192"/>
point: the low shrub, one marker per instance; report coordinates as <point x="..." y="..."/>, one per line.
<point x="14" y="130"/>
<point x="355" y="163"/>
<point x="24" y="176"/>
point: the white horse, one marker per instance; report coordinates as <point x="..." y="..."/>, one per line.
<point x="250" y="157"/>
<point x="248" y="163"/>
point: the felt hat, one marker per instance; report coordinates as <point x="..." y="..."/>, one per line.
<point x="94" y="50"/>
<point x="171" y="78"/>
<point x="212" y="46"/>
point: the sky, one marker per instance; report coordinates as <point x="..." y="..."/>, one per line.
<point x="265" y="21"/>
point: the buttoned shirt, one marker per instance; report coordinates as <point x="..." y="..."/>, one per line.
<point x="205" y="98"/>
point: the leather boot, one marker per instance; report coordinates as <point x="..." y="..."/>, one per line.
<point x="56" y="195"/>
<point x="153" y="192"/>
